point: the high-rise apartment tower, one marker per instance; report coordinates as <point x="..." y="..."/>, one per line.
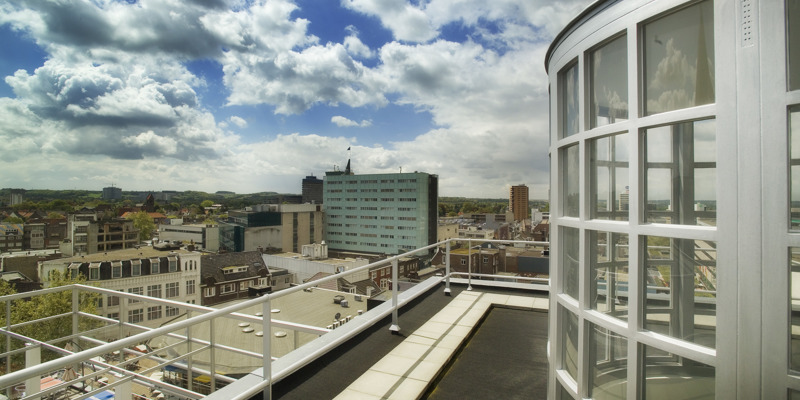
<point x="518" y="202"/>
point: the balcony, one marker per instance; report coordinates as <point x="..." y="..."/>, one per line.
<point x="412" y="345"/>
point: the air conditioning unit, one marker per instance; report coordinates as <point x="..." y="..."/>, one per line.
<point x="344" y="303"/>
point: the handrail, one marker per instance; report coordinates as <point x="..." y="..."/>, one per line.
<point x="207" y="314"/>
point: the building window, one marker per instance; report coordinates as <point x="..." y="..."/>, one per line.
<point x="172" y="289"/>
<point x="209" y="292"/>
<point x="116" y="269"/>
<point x="136" y="267"/>
<point x="680" y="276"/>
<point x="227" y="288"/>
<point x="135" y="316"/>
<point x="172" y="311"/>
<point x="679" y="59"/>
<point x="190" y="287"/>
<point x="153" y="313"/>
<point x="568" y="102"/>
<point x="669" y="372"/>
<point x="154" y="291"/>
<point x="262" y="281"/>
<point x="463" y="261"/>
<point x="609" y="188"/>
<point x="609" y="272"/>
<point x="384" y="283"/>
<point x="74" y="270"/>
<point x="793" y="43"/>
<point x="794" y="172"/>
<point x="609" y="83"/>
<point x="569" y="344"/>
<point x="94" y="271"/>
<point x="173" y="264"/>
<point x="681" y="170"/>
<point x="114" y="316"/>
<point x="570" y="186"/>
<point x="134" y="290"/>
<point x="154" y="266"/>
<point x="570" y="262"/>
<point x="112" y="301"/>
<point x="794" y="309"/>
<point x="608" y="356"/>
<point x="243" y="285"/>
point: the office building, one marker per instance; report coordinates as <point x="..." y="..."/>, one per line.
<point x="279" y="226"/>
<point x="312" y="189"/>
<point x="380" y="213"/>
<point x="693" y="107"/>
<point x="112" y="193"/>
<point x="518" y="202"/>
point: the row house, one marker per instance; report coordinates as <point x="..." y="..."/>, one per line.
<point x="232" y="276"/>
<point x="172" y="275"/>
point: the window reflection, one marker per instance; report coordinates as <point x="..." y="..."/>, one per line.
<point x="794" y="304"/>
<point x="609" y="86"/>
<point x="793" y="41"/>
<point x="679" y="59"/>
<point x="680" y="285"/>
<point x="668" y="376"/>
<point x="609" y="364"/>
<point x="794" y="162"/>
<point x="569" y="348"/>
<point x="569" y="100"/>
<point x="571" y="189"/>
<point x="609" y="191"/>
<point x="680" y="170"/>
<point x="609" y="285"/>
<point x="571" y="247"/>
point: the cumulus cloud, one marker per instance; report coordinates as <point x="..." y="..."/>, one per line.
<point x="238" y="121"/>
<point x="344" y="122"/>
<point x="119" y="86"/>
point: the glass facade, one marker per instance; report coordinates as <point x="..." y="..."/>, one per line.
<point x="609" y="83"/>
<point x="679" y="59"/>
<point x="609" y="189"/>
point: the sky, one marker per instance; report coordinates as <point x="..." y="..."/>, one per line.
<point x="251" y="96"/>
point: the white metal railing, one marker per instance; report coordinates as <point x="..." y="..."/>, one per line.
<point x="32" y="374"/>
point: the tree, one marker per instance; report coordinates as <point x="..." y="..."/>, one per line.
<point x="13" y="220"/>
<point x="48" y="305"/>
<point x="206" y="203"/>
<point x="144" y="224"/>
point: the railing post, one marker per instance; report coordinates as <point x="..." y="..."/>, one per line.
<point x="447" y="269"/>
<point x="266" y="326"/>
<point x="211" y="357"/>
<point x="189" y="363"/>
<point x="469" y="264"/>
<point x="75" y="309"/>
<point x="395" y="326"/>
<point x="33" y="357"/>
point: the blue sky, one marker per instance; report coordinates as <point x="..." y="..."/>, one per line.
<point x="252" y="96"/>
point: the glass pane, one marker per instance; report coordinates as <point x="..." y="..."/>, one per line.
<point x="609" y="158"/>
<point x="608" y="363"/>
<point x="569" y="101"/>
<point x="679" y="59"/>
<point x="569" y="347"/>
<point x="609" y="87"/>
<point x="669" y="377"/>
<point x="794" y="161"/>
<point x="609" y="284"/>
<point x="680" y="164"/>
<point x="794" y="395"/>
<point x="570" y="186"/>
<point x="569" y="240"/>
<point x="793" y="28"/>
<point x="794" y="303"/>
<point x="680" y="278"/>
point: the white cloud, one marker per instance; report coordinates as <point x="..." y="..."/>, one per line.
<point x="238" y="121"/>
<point x="344" y="122"/>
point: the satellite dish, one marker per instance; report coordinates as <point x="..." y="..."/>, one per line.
<point x="337" y="316"/>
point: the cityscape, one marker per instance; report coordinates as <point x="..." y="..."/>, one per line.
<point x="368" y="199"/>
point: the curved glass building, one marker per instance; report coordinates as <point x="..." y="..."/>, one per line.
<point x="675" y="209"/>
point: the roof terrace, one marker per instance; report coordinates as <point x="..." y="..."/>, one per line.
<point x="434" y="340"/>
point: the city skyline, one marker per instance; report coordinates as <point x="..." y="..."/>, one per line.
<point x="253" y="96"/>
